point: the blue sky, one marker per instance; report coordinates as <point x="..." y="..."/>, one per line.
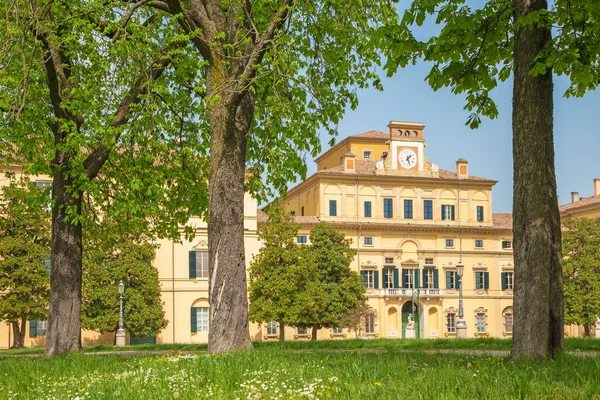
<point x="407" y="97"/>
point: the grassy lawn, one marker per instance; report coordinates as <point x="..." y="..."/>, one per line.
<point x="573" y="344"/>
<point x="272" y="372"/>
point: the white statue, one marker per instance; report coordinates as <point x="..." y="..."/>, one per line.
<point x="597" y="322"/>
<point x="410" y="324"/>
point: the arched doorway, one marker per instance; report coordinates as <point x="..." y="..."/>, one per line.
<point x="410" y="308"/>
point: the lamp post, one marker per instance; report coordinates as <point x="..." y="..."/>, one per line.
<point x="461" y="325"/>
<point x="121" y="331"/>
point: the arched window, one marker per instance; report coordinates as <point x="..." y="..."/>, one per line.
<point x="507" y="316"/>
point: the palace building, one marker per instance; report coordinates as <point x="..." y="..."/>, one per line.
<point x="411" y="223"/>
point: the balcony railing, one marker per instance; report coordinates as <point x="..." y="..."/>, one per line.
<point x="401" y="292"/>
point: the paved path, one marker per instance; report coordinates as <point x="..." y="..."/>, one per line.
<point x="475" y="352"/>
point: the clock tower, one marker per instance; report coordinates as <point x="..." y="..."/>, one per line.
<point x="407" y="149"/>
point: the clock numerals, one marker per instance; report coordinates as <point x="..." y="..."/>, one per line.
<point x="407" y="158"/>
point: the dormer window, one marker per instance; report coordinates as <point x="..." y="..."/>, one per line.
<point x="367" y="154"/>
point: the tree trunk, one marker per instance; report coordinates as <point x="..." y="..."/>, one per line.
<point x="64" y="321"/>
<point x="281" y="332"/>
<point x="538" y="298"/>
<point x="229" y="127"/>
<point x="18" y="335"/>
<point x="586" y="330"/>
<point x="313" y="334"/>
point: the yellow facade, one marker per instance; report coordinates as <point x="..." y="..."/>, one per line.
<point x="404" y="213"/>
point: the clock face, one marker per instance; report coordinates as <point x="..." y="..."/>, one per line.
<point x="407" y="158"/>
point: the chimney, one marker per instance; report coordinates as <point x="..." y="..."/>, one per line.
<point x="597" y="187"/>
<point x="348" y="160"/>
<point x="574" y="197"/>
<point x="462" y="168"/>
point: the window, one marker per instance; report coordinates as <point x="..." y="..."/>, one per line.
<point x="429" y="261"/>
<point x="507" y="280"/>
<point x="447" y="212"/>
<point x="428" y="209"/>
<point x="408" y="209"/>
<point x="367" y="154"/>
<point x="388" y="208"/>
<point x="429" y="278"/>
<point x="333" y="208"/>
<point x="451" y="322"/>
<point x="388" y="278"/>
<point x="302" y="330"/>
<point x="482" y="280"/>
<point x="37" y="328"/>
<point x="478" y="243"/>
<point x="370" y="323"/>
<point x="508" y="321"/>
<point x="302" y="239"/>
<point x="199" y="320"/>
<point x="367" y="209"/>
<point x="198" y="264"/>
<point x="293" y="213"/>
<point x="42" y="184"/>
<point x="389" y="260"/>
<point x="449" y="242"/>
<point x="480" y="213"/>
<point x="451" y="280"/>
<point x="271" y="328"/>
<point x="338" y="331"/>
<point x="368" y="241"/>
<point x="408" y="278"/>
<point x="302" y="211"/>
<point x="370" y="279"/>
<point x="480" y="322"/>
<point x="507" y="244"/>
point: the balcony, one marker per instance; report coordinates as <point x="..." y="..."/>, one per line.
<point x="400" y="292"/>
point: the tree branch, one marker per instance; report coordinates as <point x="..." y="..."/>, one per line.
<point x="100" y="153"/>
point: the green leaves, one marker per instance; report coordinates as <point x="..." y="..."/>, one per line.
<point x="473" y="50"/>
<point x="24" y="245"/>
<point x="581" y="270"/>
<point x="303" y="285"/>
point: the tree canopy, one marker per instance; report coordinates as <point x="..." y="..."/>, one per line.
<point x="24" y="254"/>
<point x="581" y="269"/>
<point x="129" y="259"/>
<point x="303" y="284"/>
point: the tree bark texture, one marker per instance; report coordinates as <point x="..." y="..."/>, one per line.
<point x="18" y="334"/>
<point x="538" y="298"/>
<point x="64" y="321"/>
<point x="229" y="126"/>
<point x="313" y="334"/>
<point x="281" y="332"/>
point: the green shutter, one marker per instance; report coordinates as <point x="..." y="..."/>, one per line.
<point x="452" y="207"/>
<point x="486" y="280"/>
<point x="194" y="319"/>
<point x="363" y="275"/>
<point x="424" y="278"/>
<point x="404" y="278"/>
<point x="376" y="279"/>
<point x="33" y="328"/>
<point x="192" y="265"/>
<point x="436" y="283"/>
<point x="396" y="278"/>
<point x="416" y="277"/>
<point x="443" y="217"/>
<point x="503" y="279"/>
<point x="449" y="280"/>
